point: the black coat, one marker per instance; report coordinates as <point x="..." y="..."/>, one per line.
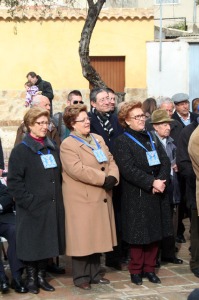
<point x="39" y="205"/>
<point x="193" y="117"/>
<point x="145" y="216"/>
<point x="184" y="164"/>
<point x="45" y="87"/>
<point x="176" y="128"/>
<point x="97" y="128"/>
<point x="6" y="201"/>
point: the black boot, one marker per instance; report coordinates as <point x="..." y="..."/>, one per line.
<point x="42" y="264"/>
<point x="31" y="282"/>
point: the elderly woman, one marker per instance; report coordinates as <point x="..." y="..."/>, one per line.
<point x="34" y="180"/>
<point x="145" y="171"/>
<point x="89" y="174"/>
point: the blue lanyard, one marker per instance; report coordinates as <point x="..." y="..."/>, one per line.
<point x="85" y="143"/>
<point x="137" y="142"/>
<point x="38" y="152"/>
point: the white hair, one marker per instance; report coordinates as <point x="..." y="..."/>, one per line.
<point x="160" y="100"/>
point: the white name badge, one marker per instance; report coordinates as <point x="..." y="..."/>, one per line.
<point x="100" y="156"/>
<point x="48" y="161"/>
<point x="152" y="158"/>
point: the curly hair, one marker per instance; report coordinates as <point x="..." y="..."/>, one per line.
<point x="71" y="113"/>
<point x="125" y="109"/>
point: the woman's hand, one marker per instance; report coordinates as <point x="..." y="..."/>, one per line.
<point x="159" y="186"/>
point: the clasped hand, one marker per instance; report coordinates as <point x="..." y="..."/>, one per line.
<point x="158" y="186"/>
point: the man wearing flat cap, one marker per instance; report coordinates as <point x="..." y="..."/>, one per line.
<point x="182" y="113"/>
<point x="161" y="124"/>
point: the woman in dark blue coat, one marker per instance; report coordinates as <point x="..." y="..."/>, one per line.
<point x="34" y="180"/>
<point x="145" y="172"/>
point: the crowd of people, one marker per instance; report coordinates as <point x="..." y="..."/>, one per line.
<point x="110" y="180"/>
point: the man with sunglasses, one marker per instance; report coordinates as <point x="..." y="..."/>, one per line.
<point x="74" y="97"/>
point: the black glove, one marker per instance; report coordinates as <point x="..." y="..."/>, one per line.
<point x="109" y="183"/>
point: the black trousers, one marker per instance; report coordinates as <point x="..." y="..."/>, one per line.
<point x="8" y="231"/>
<point x="168" y="243"/>
<point x="86" y="268"/>
<point x="194" y="237"/>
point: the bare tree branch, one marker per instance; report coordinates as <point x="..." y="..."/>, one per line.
<point x="88" y="71"/>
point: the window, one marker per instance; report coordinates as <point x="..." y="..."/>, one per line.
<point x="167" y="1"/>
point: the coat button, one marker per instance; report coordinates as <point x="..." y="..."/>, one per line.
<point x="105" y="200"/>
<point x="102" y="168"/>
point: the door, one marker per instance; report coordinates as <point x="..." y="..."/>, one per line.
<point x="111" y="69"/>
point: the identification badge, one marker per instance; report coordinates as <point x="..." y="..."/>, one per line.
<point x="152" y="158"/>
<point x="100" y="156"/>
<point x="48" y="161"/>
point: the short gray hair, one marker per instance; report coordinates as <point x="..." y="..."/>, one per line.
<point x="160" y="100"/>
<point x="36" y="100"/>
<point x="94" y="92"/>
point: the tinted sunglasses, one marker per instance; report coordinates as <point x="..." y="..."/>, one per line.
<point x="78" y="102"/>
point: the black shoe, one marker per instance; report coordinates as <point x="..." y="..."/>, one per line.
<point x="152" y="277"/>
<point x="18" y="285"/>
<point x="196" y="272"/>
<point x="4" y="284"/>
<point x="53" y="268"/>
<point x="180" y="239"/>
<point x="172" y="260"/>
<point x="136" y="278"/>
<point x="42" y="283"/>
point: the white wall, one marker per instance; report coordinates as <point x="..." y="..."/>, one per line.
<point x="174" y="77"/>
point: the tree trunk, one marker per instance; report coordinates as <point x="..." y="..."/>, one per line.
<point x="87" y="70"/>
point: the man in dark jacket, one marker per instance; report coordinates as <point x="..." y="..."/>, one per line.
<point x="44" y="86"/>
<point x="186" y="170"/>
<point x="182" y="113"/>
<point x="105" y="123"/>
<point x="7" y="230"/>
<point x="185" y="117"/>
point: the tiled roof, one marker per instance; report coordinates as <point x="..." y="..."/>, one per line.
<point x="65" y="13"/>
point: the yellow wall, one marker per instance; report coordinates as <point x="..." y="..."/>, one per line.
<point x="50" y="48"/>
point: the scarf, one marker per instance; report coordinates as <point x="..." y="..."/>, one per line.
<point x="104" y="121"/>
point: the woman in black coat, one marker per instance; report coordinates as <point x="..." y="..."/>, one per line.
<point x="145" y="172"/>
<point x="34" y="180"/>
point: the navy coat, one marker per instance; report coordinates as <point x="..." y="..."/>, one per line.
<point x="39" y="204"/>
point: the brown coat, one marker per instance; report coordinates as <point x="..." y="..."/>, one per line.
<point x="52" y="134"/>
<point x="90" y="225"/>
<point x="193" y="150"/>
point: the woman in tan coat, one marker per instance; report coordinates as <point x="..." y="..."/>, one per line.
<point x="89" y="174"/>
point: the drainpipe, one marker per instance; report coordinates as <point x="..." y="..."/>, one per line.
<point x="160" y="39"/>
<point x="194" y="12"/>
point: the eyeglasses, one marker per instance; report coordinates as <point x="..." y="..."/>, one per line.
<point x="139" y="117"/>
<point x="78" y="102"/>
<point x="84" y="120"/>
<point x="103" y="99"/>
<point x="43" y="123"/>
